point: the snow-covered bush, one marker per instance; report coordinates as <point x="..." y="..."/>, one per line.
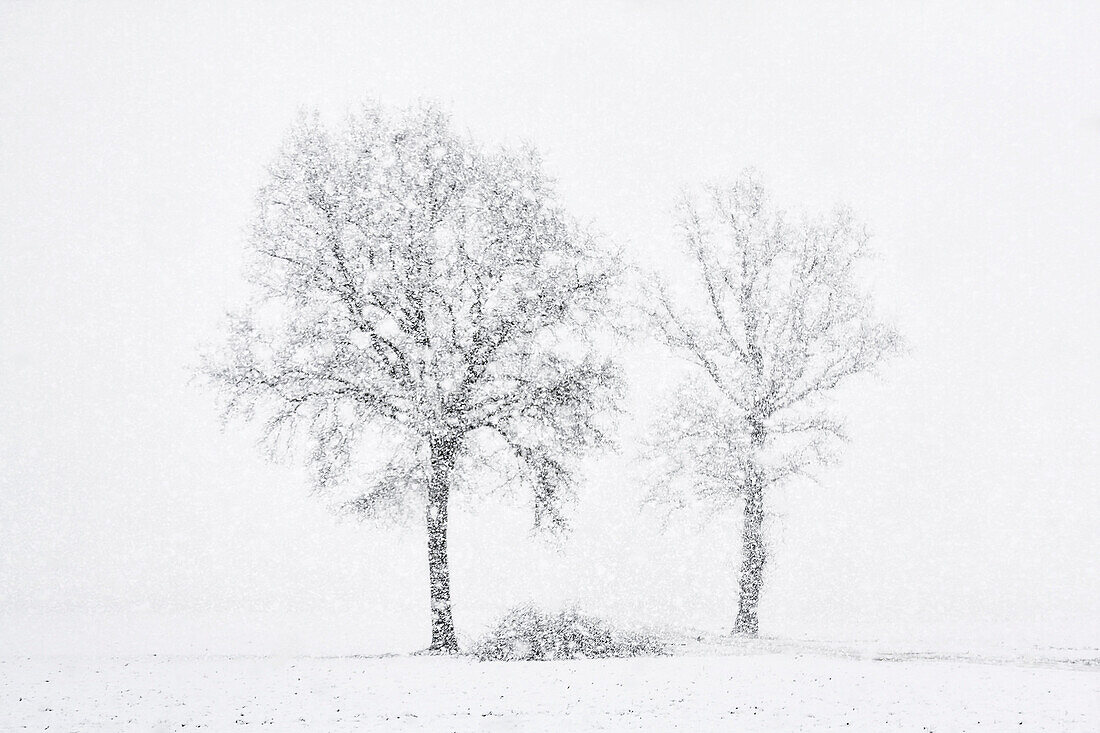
<point x="527" y="633"/>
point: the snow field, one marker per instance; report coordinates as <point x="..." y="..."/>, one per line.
<point x="744" y="692"/>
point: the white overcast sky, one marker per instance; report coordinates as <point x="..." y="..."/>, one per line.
<point x="134" y="135"/>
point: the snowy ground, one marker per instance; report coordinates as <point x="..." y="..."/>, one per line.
<point x="759" y="686"/>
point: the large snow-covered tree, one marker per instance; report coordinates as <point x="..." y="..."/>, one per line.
<point x="774" y="319"/>
<point x="420" y="314"/>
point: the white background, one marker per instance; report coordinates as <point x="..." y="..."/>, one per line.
<point x="133" y="137"/>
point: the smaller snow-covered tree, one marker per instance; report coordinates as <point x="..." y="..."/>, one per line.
<point x="421" y="299"/>
<point x="779" y="320"/>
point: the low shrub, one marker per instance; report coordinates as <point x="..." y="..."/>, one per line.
<point x="527" y="633"/>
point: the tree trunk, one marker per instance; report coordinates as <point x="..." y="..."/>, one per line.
<point x="439" y="573"/>
<point x="753" y="550"/>
<point x="753" y="556"/>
